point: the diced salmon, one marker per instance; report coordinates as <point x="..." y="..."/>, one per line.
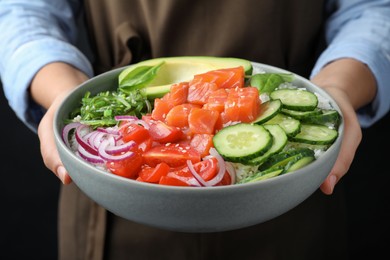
<point x="242" y="105"/>
<point x="199" y="92"/>
<point x="216" y="100"/>
<point x="161" y="109"/>
<point x="223" y="78"/>
<point x="178" y="94"/>
<point x="202" y="143"/>
<point x="202" y="121"/>
<point x="219" y="124"/>
<point x="178" y="115"/>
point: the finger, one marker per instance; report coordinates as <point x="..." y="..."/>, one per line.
<point x="351" y="140"/>
<point x="48" y="148"/>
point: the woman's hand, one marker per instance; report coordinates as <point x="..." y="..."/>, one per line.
<point x="353" y="86"/>
<point x="350" y="143"/>
<point x="49" y="87"/>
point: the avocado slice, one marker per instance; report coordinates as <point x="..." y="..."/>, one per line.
<point x="181" y="69"/>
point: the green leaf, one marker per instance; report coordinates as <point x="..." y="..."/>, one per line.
<point x="268" y="82"/>
<point x="287" y="77"/>
<point x="138" y="77"/>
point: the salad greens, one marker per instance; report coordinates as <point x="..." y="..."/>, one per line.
<point x="100" y="110"/>
<point x="127" y="99"/>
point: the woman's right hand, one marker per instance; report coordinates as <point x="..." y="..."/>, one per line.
<point x="49" y="87"/>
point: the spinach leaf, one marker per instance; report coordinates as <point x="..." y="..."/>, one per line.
<point x="268" y="82"/>
<point x="138" y="77"/>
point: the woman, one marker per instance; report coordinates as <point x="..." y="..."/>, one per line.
<point x="339" y="44"/>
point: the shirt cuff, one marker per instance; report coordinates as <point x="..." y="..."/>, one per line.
<point x="379" y="64"/>
<point x="26" y="62"/>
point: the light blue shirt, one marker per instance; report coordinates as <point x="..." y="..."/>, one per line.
<point x="34" y="33"/>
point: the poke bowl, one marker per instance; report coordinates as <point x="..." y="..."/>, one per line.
<point x="272" y="161"/>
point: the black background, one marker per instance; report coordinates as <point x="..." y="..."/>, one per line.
<point x="368" y="199"/>
<point x="30" y="191"/>
<point x="28" y="228"/>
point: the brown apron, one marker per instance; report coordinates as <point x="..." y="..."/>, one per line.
<point x="286" y="34"/>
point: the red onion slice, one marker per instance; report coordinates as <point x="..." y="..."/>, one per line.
<point x="110" y="157"/>
<point x="195" y="174"/>
<point x="91" y="138"/>
<point x="83" y="142"/>
<point x="231" y="171"/>
<point x="97" y="139"/>
<point x="65" y="132"/>
<point x="125" y="147"/>
<point x="221" y="165"/>
<point x="95" y="159"/>
<point x="143" y="123"/>
<point x="98" y="146"/>
<point x="109" y="130"/>
<point x="135" y="121"/>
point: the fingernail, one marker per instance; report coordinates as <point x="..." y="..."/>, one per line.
<point x="61" y="173"/>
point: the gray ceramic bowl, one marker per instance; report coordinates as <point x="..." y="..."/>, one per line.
<point x="190" y="209"/>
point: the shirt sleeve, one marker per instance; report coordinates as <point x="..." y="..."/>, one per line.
<point x="33" y="34"/>
<point x="360" y="30"/>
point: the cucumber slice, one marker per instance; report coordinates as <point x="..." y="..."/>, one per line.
<point x="290" y="125"/>
<point x="314" y="147"/>
<point x="315" y="134"/>
<point x="326" y="117"/>
<point x="242" y="142"/>
<point x="298" y="162"/>
<point x="269" y="173"/>
<point x="296" y="99"/>
<point x="279" y="142"/>
<point x="268" y="110"/>
<point x="301" y="115"/>
<point x="283" y="158"/>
